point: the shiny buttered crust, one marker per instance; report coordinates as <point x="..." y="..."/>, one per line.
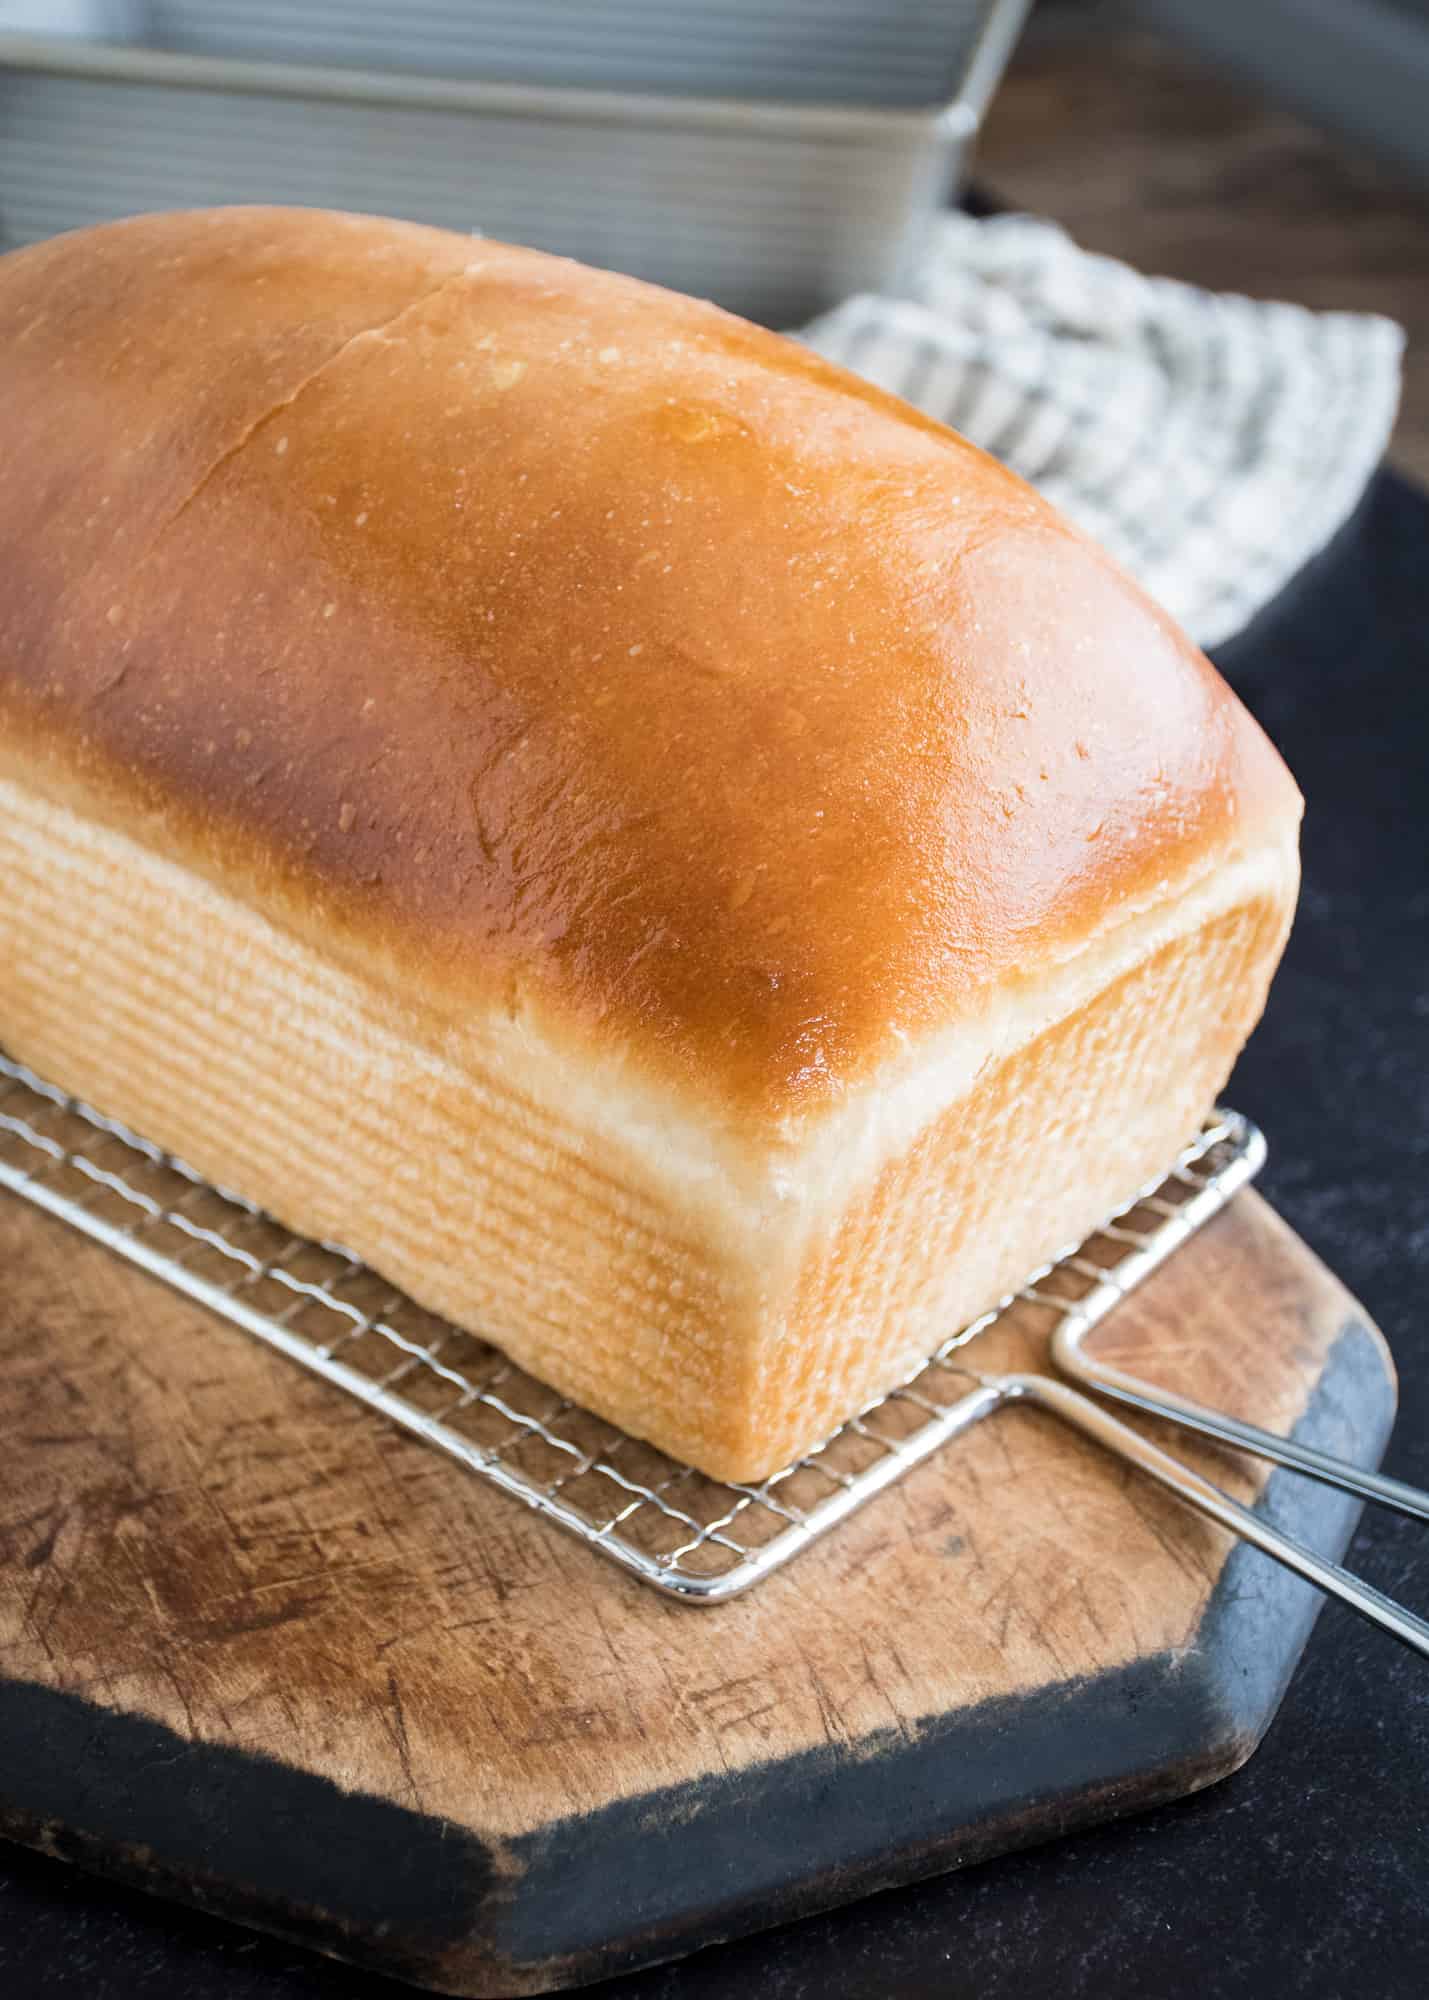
<point x="686" y="865"/>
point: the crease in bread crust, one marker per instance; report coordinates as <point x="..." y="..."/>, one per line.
<point x="379" y="330"/>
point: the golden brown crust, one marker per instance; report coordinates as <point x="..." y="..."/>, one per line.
<point x="539" y="639"/>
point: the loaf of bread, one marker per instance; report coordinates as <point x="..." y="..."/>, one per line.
<point x="680" y="862"/>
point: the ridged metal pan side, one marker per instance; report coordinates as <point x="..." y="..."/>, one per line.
<point x="888" y="52"/>
<point x="772" y="221"/>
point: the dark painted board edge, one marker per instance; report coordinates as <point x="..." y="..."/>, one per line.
<point x="658" y="1876"/>
<point x="1004" y="1774"/>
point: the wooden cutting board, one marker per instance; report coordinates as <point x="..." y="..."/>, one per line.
<point x="263" y="1652"/>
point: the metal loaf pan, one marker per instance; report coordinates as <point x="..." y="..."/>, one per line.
<point x="883" y="52"/>
<point x="775" y="209"/>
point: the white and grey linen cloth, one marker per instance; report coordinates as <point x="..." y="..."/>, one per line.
<point x="1212" y="443"/>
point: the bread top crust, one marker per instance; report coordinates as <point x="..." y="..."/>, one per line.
<point x="541" y="641"/>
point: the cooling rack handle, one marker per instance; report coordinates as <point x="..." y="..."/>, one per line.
<point x="1108" y="1431"/>
<point x="1072" y="1358"/>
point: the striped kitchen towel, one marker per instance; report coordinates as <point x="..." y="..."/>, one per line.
<point x="1212" y="443"/>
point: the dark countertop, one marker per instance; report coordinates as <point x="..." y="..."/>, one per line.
<point x="1306" y="1874"/>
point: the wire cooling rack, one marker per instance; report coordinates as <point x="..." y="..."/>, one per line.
<point x="690" y="1536"/>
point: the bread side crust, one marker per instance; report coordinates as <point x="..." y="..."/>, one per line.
<point x="1050" y="1138"/>
<point x="731" y="1300"/>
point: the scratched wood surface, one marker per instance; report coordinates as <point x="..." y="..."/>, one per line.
<point x="260" y="1650"/>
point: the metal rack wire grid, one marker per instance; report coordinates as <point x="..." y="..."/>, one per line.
<point x="693" y="1537"/>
